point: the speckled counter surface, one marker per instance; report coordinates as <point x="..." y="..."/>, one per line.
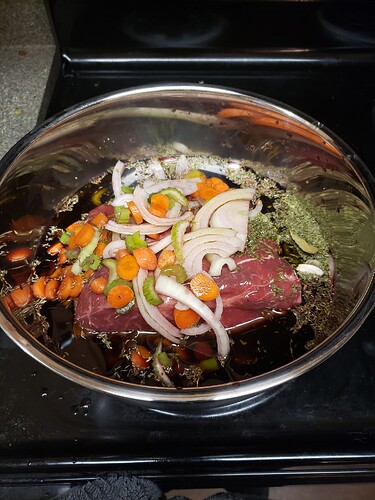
<point x="26" y="52"/>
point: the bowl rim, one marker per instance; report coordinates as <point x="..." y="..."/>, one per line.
<point x="222" y="392"/>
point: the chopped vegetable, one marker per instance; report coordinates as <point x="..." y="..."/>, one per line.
<point x="134" y="241"/>
<point x="177" y="234"/>
<point x="84" y="235"/>
<point x="127" y="267"/>
<point x="122" y="215"/>
<point x="22" y="295"/>
<point x="166" y="257"/>
<point x="51" y="289"/>
<point x="204" y="287"/>
<point x="135" y="213"/>
<point x="146" y="258"/>
<point x="185" y="318"/>
<point x="140" y="357"/>
<point x="98" y="284"/>
<point x="100" y="220"/>
<point x="176" y="271"/>
<point x="150" y="293"/>
<point x="175" y="195"/>
<point x="160" y="200"/>
<point x="38" y="287"/>
<point x="119" y="296"/>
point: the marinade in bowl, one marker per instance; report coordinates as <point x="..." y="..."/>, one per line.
<point x="184" y="243"/>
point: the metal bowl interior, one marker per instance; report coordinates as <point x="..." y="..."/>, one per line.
<point x="53" y="162"/>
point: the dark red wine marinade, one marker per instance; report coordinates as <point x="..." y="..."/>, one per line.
<point x="265" y="344"/>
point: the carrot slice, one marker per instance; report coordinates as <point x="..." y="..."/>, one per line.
<point x="135" y="213"/>
<point x="100" y="220"/>
<point x="140" y="357"/>
<point x="38" y="287"/>
<point x="157" y="211"/>
<point x="185" y="318"/>
<point x="84" y="235"/>
<point x="154" y="236"/>
<point x="127" y="267"/>
<point x="121" y="252"/>
<point x="160" y="200"/>
<point x="98" y="284"/>
<point x="18" y="254"/>
<point x="22" y="295"/>
<point x="51" y="289"/>
<point x="100" y="248"/>
<point x="146" y="258"/>
<point x="204" y="287"/>
<point x="62" y="256"/>
<point x="55" y="249"/>
<point x="166" y="258"/>
<point x="65" y="287"/>
<point x="77" y="286"/>
<point x="120" y="296"/>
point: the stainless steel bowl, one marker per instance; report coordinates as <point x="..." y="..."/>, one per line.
<point x="62" y="155"/>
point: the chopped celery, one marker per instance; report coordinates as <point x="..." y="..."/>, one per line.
<point x="175" y="195"/>
<point x="175" y="270"/>
<point x="150" y="293"/>
<point x="164" y="359"/>
<point x="111" y="265"/>
<point x="65" y="237"/>
<point x="91" y="262"/>
<point x="86" y="252"/>
<point x="134" y="241"/>
<point x="127" y="189"/>
<point x="122" y="215"/>
<point x="177" y="234"/>
<point x="209" y="365"/>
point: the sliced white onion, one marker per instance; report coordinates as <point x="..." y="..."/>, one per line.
<point x="186" y="186"/>
<point x="233" y="214"/>
<point x="309" y="269"/>
<point x="151" y="314"/>
<point x="112" y="248"/>
<point x="157" y="246"/>
<point x="140" y="199"/>
<point x="204" y="214"/>
<point x="118" y="170"/>
<point x="210" y="231"/>
<point x="132" y="228"/>
<point x="157" y="169"/>
<point x="181" y="307"/>
<point x="181" y="293"/>
<point x="193" y="260"/>
<point x="218" y="263"/>
<point x="122" y="200"/>
<point x="175" y="211"/>
<point x="222" y="240"/>
<point x="205" y="327"/>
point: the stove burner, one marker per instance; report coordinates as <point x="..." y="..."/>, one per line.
<point x="168" y="27"/>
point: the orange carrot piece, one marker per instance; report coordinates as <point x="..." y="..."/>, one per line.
<point x="75" y="227"/>
<point x="121" y="252"/>
<point x="84" y="235"/>
<point x="65" y="287"/>
<point x="56" y="248"/>
<point x="88" y="274"/>
<point x="216" y="183"/>
<point x="146" y="258"/>
<point x="22" y="295"/>
<point x="120" y="296"/>
<point x="204" y="287"/>
<point x="154" y="236"/>
<point x="77" y="286"/>
<point x="18" y="254"/>
<point x="100" y="220"/>
<point x="166" y="258"/>
<point x="127" y="267"/>
<point x="51" y="289"/>
<point x="98" y="284"/>
<point x="56" y="273"/>
<point x="38" y="287"/>
<point x="135" y="213"/>
<point x="160" y="200"/>
<point x="157" y="211"/>
<point x="140" y="357"/>
<point x="100" y="248"/>
<point x="62" y="258"/>
<point x="185" y="318"/>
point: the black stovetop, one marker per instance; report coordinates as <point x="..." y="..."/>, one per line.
<point x="317" y="428"/>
